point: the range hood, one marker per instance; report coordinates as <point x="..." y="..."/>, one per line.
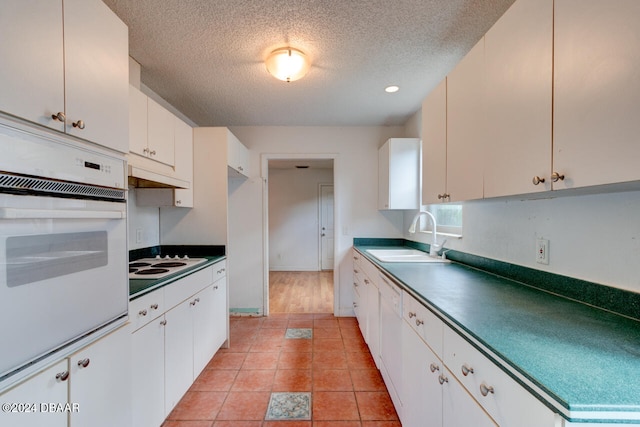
<point x="142" y="178"/>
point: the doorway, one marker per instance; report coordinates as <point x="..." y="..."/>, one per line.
<point x="299" y="239"/>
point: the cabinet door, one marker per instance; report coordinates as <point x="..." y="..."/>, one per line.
<point x="32" y="60"/>
<point x="466" y="140"/>
<point x="384" y="154"/>
<point x="373" y="319"/>
<point x="458" y="408"/>
<point x="596" y="92"/>
<point x="137" y="122"/>
<point x="422" y="394"/>
<point x="518" y="98"/>
<point x="237" y="156"/>
<point x="160" y="137"/>
<point x="40" y="389"/>
<point x="221" y="313"/>
<point x="101" y="382"/>
<point x="147" y="375"/>
<point x="434" y="145"/>
<point x="178" y="352"/>
<point x="391" y="340"/>
<point x="96" y="62"/>
<point x="204" y="327"/>
<point x="184" y="162"/>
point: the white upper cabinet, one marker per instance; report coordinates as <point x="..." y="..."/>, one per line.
<point x="434" y="145"/>
<point x="597" y="92"/>
<point x="77" y="72"/>
<point x="399" y="174"/>
<point x="160" y="133"/>
<point x="518" y="50"/>
<point x="137" y="121"/>
<point x="237" y="157"/>
<point x="96" y="61"/>
<point x="184" y="162"/>
<point x="466" y="127"/>
<point x="32" y="60"/>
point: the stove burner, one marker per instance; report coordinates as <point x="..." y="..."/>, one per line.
<point x="169" y="264"/>
<point x="152" y="271"/>
<point x="132" y="270"/>
<point x="139" y="264"/>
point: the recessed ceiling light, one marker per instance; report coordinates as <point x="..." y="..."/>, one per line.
<point x="391" y="89"/>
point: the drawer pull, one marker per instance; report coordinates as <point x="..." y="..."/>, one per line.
<point x="153" y="306"/>
<point x="411" y="315"/>
<point x="221" y="271"/>
<point x="163" y="322"/>
<point x="84" y="362"/>
<point x="356" y="258"/>
<point x="366" y="281"/>
<point x="355" y="271"/>
<point x="433" y="367"/>
<point x="215" y="287"/>
<point x="355" y="305"/>
<point x="62" y="376"/>
<point x="442" y="379"/>
<point x="419" y="322"/>
<point x="466" y="370"/>
<point x="355" y="284"/>
<point x="142" y="312"/>
<point x="485" y="390"/>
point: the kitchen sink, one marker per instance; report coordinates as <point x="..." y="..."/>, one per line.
<point x="403" y="255"/>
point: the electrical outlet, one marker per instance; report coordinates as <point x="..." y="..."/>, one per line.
<point x="542" y="251"/>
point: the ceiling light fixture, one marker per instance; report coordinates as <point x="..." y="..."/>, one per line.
<point x="391" y="89"/>
<point x="287" y="64"/>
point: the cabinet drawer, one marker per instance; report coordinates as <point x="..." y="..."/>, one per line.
<point x="424" y="322"/>
<point x="146" y="308"/>
<point x="182" y="289"/>
<point x="219" y="270"/>
<point x="501" y="396"/>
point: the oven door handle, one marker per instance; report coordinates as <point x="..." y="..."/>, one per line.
<point x="17" y="213"/>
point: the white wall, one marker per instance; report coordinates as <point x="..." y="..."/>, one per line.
<point x="592" y="237"/>
<point x="294" y="218"/>
<point x="145" y="219"/>
<point x="355" y="166"/>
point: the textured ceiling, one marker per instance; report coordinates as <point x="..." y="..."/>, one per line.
<point x="206" y="57"/>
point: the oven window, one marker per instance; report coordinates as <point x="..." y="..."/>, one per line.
<point x="40" y="257"/>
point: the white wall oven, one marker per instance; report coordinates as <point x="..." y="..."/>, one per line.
<point x="63" y="246"/>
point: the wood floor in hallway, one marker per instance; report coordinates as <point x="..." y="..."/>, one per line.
<point x="301" y="291"/>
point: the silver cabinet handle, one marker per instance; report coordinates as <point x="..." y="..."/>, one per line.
<point x="411" y="315"/>
<point x="537" y="180"/>
<point x="240" y="168"/>
<point x="366" y="281"/>
<point x="84" y="362"/>
<point x="442" y="379"/>
<point x="153" y="153"/>
<point x="195" y="301"/>
<point x="153" y="306"/>
<point x="555" y="177"/>
<point x="485" y="390"/>
<point x="163" y="322"/>
<point x="355" y="305"/>
<point x="178" y="202"/>
<point x="355" y="284"/>
<point x="466" y="370"/>
<point x="443" y="196"/>
<point x="79" y="124"/>
<point x="433" y="367"/>
<point x="142" y="312"/>
<point x="62" y="376"/>
<point x="355" y="271"/>
<point x="145" y="150"/>
<point x="221" y="271"/>
<point x="60" y="117"/>
<point x="419" y="322"/>
<point x="356" y="258"/>
<point x="215" y="287"/>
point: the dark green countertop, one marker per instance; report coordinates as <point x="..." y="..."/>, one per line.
<point x="586" y="359"/>
<point x="139" y="287"/>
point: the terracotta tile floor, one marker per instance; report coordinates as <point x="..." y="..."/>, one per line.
<point x="335" y="366"/>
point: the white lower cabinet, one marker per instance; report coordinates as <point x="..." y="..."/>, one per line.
<point x="391" y="339"/>
<point x="148" y="374"/>
<point x="46" y="386"/>
<point x="459" y="409"/>
<point x="171" y="351"/>
<point x="89" y="388"/>
<point x="504" y="399"/>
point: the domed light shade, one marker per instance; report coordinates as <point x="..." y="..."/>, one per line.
<point x="287" y="64"/>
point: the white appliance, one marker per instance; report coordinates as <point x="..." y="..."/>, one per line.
<point x="159" y="267"/>
<point x="63" y="245"/>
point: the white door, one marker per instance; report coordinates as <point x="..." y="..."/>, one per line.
<point x="326" y="227"/>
